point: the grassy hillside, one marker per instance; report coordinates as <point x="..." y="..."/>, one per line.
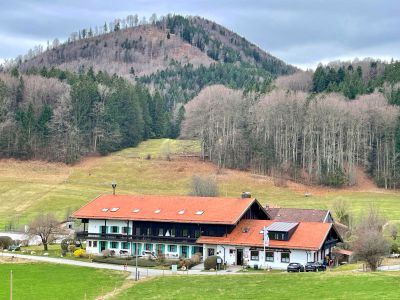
<point x="27" y="188"/>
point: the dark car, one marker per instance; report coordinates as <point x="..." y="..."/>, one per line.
<point x="295" y="267"/>
<point x="314" y="267"/>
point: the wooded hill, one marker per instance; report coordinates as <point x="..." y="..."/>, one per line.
<point x="113" y="86"/>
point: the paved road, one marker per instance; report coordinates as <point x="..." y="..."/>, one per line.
<point x="390" y="268"/>
<point x="143" y="272"/>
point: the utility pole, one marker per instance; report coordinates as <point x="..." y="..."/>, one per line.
<point x="136" y="261"/>
<point x="11" y="277"/>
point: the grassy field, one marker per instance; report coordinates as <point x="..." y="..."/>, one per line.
<point x="327" y="285"/>
<point x="27" y="188"/>
<point x="53" y="281"/>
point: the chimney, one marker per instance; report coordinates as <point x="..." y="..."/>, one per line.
<point x="246" y="195"/>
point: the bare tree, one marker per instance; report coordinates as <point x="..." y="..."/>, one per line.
<point x="204" y="186"/>
<point x="44" y="226"/>
<point x="370" y="245"/>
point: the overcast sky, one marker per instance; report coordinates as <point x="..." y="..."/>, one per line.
<point x="301" y="32"/>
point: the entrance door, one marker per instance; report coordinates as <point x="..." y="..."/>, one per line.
<point x="184" y="251"/>
<point x="239" y="257"/>
<point x="102" y="245"/>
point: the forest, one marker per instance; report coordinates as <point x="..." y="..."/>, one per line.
<point x="60" y="116"/>
<point x="310" y="137"/>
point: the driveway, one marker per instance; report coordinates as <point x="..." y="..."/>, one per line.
<point x="143" y="272"/>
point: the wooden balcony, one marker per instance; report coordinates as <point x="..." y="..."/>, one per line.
<point x="134" y="238"/>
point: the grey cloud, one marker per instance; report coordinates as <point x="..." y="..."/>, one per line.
<point x="299" y="32"/>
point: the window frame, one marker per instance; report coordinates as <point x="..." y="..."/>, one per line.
<point x="172" y="248"/>
<point x="285" y="260"/>
<point x="252" y="257"/>
<point x="112" y="245"/>
<point x="270" y="259"/>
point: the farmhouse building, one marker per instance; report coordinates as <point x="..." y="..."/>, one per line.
<point x="179" y="226"/>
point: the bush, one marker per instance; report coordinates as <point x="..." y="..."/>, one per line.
<point x="144" y="263"/>
<point x="5" y="242"/>
<point x="204" y="186"/>
<point x="71" y="248"/>
<point x="211" y="262"/>
<point x="79" y="252"/>
<point x="196" y="258"/>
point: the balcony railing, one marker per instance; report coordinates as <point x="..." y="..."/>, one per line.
<point x="130" y="237"/>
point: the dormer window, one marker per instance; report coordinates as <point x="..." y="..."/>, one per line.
<point x="181" y="212"/>
<point x="104" y="209"/>
<point x="199" y="212"/>
<point x="157" y="211"/>
<point x="136" y="210"/>
<point x="114" y="209"/>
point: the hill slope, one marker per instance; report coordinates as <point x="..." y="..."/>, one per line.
<point x="144" y="49"/>
<point x="27" y="187"/>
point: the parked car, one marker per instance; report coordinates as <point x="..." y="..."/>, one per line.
<point x="14" y="248"/>
<point x="149" y="254"/>
<point x="314" y="267"/>
<point x="295" y="267"/>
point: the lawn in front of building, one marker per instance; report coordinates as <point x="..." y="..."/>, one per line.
<point x="55" y="281"/>
<point x="327" y="285"/>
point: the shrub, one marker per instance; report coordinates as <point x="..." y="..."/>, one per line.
<point x="144" y="263"/>
<point x="211" y="262"/>
<point x="65" y="243"/>
<point x="204" y="186"/>
<point x="196" y="258"/>
<point x="79" y="252"/>
<point x="71" y="248"/>
<point x="5" y="242"/>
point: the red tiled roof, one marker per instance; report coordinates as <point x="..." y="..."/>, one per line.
<point x="307" y="236"/>
<point x="167" y="208"/>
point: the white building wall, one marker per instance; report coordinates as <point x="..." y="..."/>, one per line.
<point x="229" y="254"/>
<point x="95" y="225"/>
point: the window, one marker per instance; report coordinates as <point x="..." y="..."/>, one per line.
<point x="197" y="233"/>
<point x="137" y="230"/>
<point x="114" y="229"/>
<point x="114" y="245"/>
<point x="148" y="247"/>
<point x="90" y="243"/>
<point x="285" y="257"/>
<point x="149" y="231"/>
<point x="125" y="230"/>
<point x="157" y="211"/>
<point x="199" y="212"/>
<point x="114" y="209"/>
<point x="254" y="254"/>
<point x="269" y="256"/>
<point x="160" y="231"/>
<point x="181" y="212"/>
<point x="136" y="210"/>
<point x="210" y="251"/>
<point x="94" y="243"/>
<point x="185" y="232"/>
<point x="232" y="251"/>
<point x="173" y="232"/>
<point x="104" y="209"/>
<point x="125" y="245"/>
<point x="171" y="248"/>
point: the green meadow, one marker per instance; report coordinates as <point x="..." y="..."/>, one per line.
<point x="154" y="167"/>
<point x="55" y="281"/>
